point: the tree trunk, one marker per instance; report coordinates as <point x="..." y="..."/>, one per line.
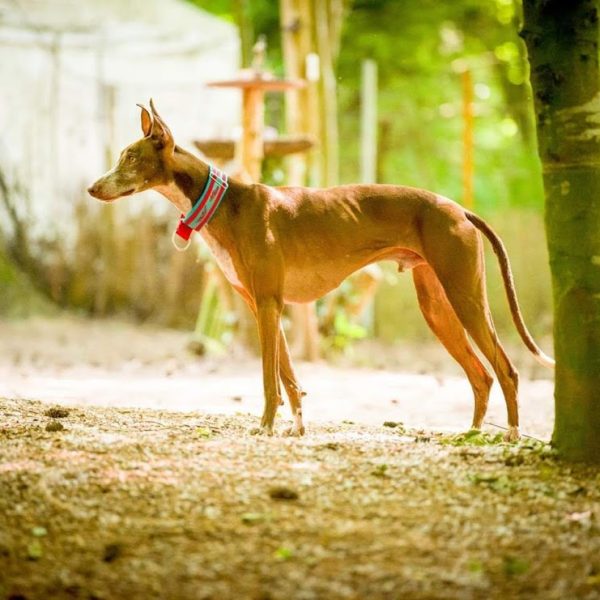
<point x="562" y="43"/>
<point x="327" y="93"/>
<point x="296" y="29"/>
<point x="244" y="23"/>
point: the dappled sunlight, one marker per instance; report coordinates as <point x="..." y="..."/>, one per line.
<point x="346" y="507"/>
<point x="299" y="300"/>
<point x="167" y="378"/>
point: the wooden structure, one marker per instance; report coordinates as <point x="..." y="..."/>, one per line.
<point x="254" y="83"/>
<point x="224" y="149"/>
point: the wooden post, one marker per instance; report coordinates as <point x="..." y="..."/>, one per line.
<point x="253" y="114"/>
<point x="293" y="34"/>
<point x="328" y="94"/>
<point x="251" y="146"/>
<point x="310" y="114"/>
<point x="368" y="122"/>
<point x="296" y="31"/>
<point x="467" y="111"/>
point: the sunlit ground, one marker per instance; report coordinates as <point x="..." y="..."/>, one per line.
<point x="109" y="363"/>
<point x="180" y="502"/>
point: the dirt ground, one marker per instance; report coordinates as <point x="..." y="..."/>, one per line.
<point x="75" y="361"/>
<point x="104" y="494"/>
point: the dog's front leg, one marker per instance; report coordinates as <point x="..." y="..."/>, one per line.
<point x="268" y="315"/>
<point x="294" y="392"/>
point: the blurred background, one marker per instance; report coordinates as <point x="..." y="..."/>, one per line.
<point x="428" y="94"/>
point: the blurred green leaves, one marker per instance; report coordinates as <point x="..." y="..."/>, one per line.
<point x="420" y="48"/>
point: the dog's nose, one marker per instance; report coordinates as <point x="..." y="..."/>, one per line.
<point x="92" y="190"/>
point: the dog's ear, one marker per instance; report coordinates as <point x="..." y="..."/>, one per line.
<point x="146" y="121"/>
<point x="160" y="133"/>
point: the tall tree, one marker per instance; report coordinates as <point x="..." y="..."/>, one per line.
<point x="562" y="43"/>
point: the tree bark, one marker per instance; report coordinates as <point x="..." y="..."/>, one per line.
<point x="562" y="43"/>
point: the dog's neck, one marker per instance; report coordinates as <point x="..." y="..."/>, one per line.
<point x="188" y="175"/>
<point x="186" y="181"/>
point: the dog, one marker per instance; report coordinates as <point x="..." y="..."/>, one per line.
<point x="278" y="245"/>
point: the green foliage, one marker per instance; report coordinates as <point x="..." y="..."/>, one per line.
<point x="18" y="296"/>
<point x="203" y="432"/>
<point x="498" y="483"/>
<point x="283" y="553"/>
<point x="420" y="49"/>
<point x="380" y="471"/>
<point x="35" y="550"/>
<point x="263" y="17"/>
<point x="513" y="565"/>
<point x="474" y="437"/>
<point x="346" y="331"/>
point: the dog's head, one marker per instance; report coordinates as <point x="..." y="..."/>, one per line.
<point x="142" y="165"/>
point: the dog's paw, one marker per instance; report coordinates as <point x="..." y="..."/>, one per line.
<point x="512" y="435"/>
<point x="262" y="431"/>
<point x="294" y="431"/>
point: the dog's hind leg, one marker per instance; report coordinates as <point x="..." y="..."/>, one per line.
<point x="268" y="312"/>
<point x="459" y="265"/>
<point x="442" y="320"/>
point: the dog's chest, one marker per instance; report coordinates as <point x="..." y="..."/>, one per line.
<point x="223" y="258"/>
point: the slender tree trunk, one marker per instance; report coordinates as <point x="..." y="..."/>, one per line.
<point x="296" y="33"/>
<point x="325" y="46"/>
<point x="295" y="38"/>
<point x="562" y="42"/>
<point x="244" y="23"/>
<point x="368" y="122"/>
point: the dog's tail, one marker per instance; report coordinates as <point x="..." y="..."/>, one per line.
<point x="509" y="286"/>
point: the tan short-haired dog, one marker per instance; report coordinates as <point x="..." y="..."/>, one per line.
<point x="281" y="245"/>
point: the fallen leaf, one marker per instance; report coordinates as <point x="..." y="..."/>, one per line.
<point x="203" y="432"/>
<point x="35" y="550"/>
<point x="253" y="517"/>
<point x="39" y="531"/>
<point x="283" y="553"/>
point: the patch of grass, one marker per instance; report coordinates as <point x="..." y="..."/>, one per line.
<point x="203" y="432"/>
<point x="380" y="471"/>
<point x="496" y="482"/>
<point x="474" y="437"/>
<point x="513" y="565"/>
<point x="19" y="298"/>
<point x="283" y="553"/>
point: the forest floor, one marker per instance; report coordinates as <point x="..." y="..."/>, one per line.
<point x="118" y="481"/>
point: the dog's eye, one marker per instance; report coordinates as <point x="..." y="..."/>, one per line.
<point x="131" y="158"/>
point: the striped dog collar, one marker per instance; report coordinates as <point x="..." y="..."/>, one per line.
<point x="205" y="207"/>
